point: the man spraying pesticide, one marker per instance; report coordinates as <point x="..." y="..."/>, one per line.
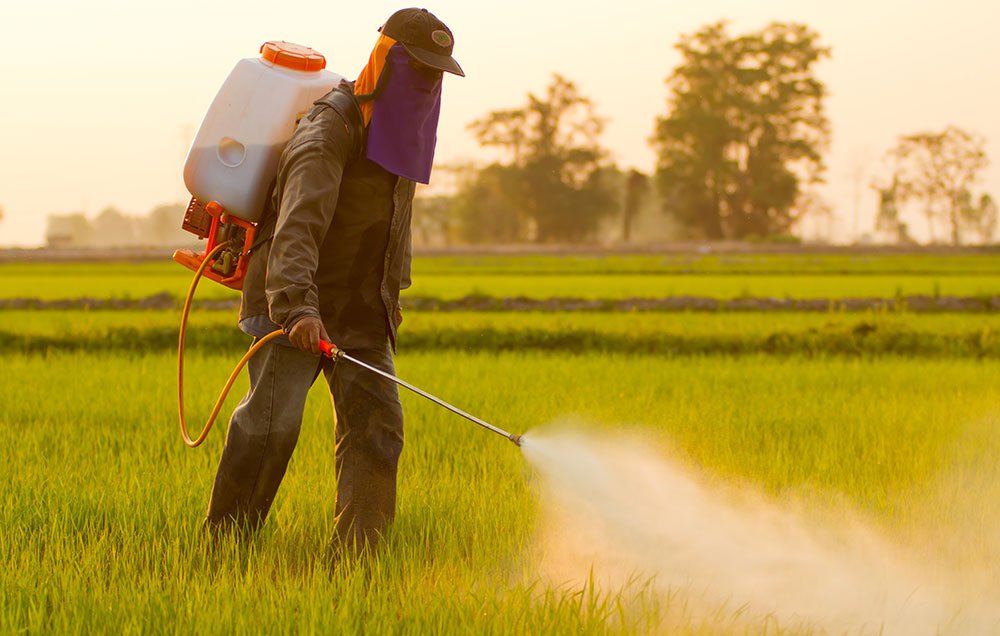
<point x="324" y="263"/>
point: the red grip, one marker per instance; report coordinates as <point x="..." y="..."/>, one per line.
<point x="329" y="349"/>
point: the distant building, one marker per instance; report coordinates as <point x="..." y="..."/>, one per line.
<point x="112" y="228"/>
<point x="68" y="230"/>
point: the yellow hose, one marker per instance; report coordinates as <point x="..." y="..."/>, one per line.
<point x="180" y="359"/>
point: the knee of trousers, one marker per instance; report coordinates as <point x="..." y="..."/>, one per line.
<point x="380" y="439"/>
<point x="275" y="440"/>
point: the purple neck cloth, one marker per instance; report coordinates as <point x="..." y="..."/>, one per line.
<point x="403" y="130"/>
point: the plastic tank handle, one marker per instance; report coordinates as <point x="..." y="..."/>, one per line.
<point x="231" y="152"/>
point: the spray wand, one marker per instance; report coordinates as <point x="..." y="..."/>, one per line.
<point x="331" y="351"/>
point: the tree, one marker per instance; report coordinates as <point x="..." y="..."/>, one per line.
<point x="113" y="228"/>
<point x="888" y="220"/>
<point x="487" y="206"/>
<point x="745" y="131"/>
<point x="636" y="189"/>
<point x="935" y="173"/>
<point x="981" y="216"/>
<point x="553" y="180"/>
<point x="432" y="216"/>
<point x="163" y="226"/>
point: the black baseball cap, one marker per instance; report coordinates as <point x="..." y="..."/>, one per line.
<point x="424" y="37"/>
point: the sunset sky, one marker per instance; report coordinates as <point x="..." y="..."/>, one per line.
<point x="101" y="98"/>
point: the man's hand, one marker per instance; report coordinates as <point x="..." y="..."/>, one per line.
<point x="307" y="333"/>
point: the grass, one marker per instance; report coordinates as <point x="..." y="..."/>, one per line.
<point x="733" y="263"/>
<point x="102" y="502"/>
<point x="868" y="333"/>
<point x="858" y="263"/>
<point x="888" y="416"/>
<point x="616" y="286"/>
<point x="734" y="276"/>
<point x="86" y="323"/>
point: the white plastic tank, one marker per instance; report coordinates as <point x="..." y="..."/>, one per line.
<point x="235" y="154"/>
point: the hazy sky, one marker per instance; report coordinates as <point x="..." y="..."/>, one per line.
<point x="100" y="98"/>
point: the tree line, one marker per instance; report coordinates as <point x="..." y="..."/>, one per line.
<point x="740" y="153"/>
<point x="113" y="228"/>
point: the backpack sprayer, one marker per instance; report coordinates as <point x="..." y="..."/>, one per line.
<point x="228" y="171"/>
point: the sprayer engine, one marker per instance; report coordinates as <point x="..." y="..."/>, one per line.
<point x="210" y="221"/>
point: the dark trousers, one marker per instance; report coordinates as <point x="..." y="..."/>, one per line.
<point x="265" y="427"/>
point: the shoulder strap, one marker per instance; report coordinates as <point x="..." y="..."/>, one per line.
<point x="268" y="219"/>
<point x="342" y="100"/>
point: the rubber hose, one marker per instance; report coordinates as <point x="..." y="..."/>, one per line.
<point x="180" y="359"/>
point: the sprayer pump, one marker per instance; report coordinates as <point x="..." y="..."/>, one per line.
<point x="212" y="222"/>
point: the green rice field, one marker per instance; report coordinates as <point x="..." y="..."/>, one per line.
<point x="733" y="276"/>
<point x="681" y="333"/>
<point x="889" y="418"/>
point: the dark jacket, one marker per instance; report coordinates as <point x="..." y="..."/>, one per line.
<point x="339" y="245"/>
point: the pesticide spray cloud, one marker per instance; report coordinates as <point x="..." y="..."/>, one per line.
<point x="614" y="510"/>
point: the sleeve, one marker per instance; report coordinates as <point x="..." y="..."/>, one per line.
<point x="309" y="176"/>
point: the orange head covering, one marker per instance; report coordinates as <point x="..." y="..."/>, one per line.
<point x="370" y="74"/>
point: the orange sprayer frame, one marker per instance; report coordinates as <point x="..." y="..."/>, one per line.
<point x="221" y="220"/>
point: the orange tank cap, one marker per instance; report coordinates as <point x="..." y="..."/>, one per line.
<point x="293" y="56"/>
